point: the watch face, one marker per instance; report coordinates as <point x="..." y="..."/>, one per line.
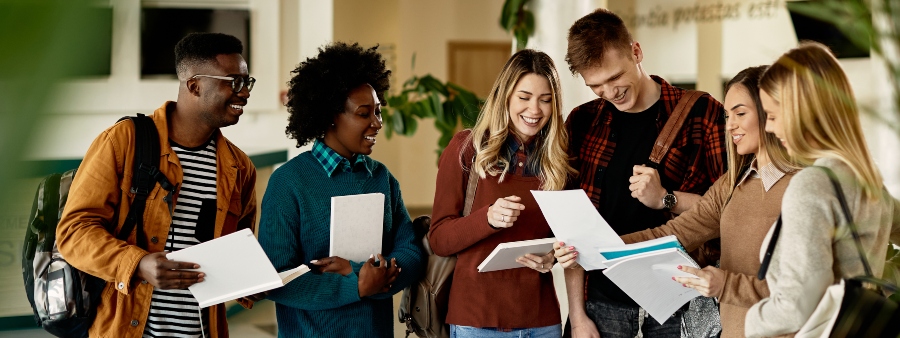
<point x="669" y="201"/>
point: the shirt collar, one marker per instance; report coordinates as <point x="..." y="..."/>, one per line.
<point x="331" y="161"/>
<point x="769" y="174"/>
<point x="513" y="143"/>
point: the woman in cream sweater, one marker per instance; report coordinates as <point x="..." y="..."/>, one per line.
<point x="812" y="111"/>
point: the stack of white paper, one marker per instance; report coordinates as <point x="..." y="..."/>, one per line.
<point x="357" y="224"/>
<point x="576" y="222"/>
<point x="235" y="266"/>
<point x="647" y="278"/>
<point x="504" y="255"/>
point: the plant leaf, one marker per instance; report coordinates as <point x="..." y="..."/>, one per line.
<point x="411" y="125"/>
<point x="386" y="117"/>
<point x="436" y="107"/>
<point x="528" y="24"/>
<point x="432" y="84"/>
<point x="398" y="124"/>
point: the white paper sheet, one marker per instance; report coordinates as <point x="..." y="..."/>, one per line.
<point x="577" y="223"/>
<point x="647" y="279"/>
<point x="357" y="224"/>
<point x="235" y="266"/>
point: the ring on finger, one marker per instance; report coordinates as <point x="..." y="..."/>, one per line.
<point x="503" y="218"/>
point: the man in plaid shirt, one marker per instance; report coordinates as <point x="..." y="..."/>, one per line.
<point x="610" y="142"/>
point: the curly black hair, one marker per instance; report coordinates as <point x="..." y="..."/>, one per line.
<point x="320" y="86"/>
<point x="196" y="48"/>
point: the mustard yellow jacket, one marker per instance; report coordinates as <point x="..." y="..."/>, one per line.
<point x="100" y="198"/>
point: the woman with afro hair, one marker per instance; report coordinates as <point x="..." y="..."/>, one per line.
<point x="335" y="102"/>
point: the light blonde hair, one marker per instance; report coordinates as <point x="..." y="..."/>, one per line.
<point x="820" y="113"/>
<point x="489" y="134"/>
<point x="768" y="143"/>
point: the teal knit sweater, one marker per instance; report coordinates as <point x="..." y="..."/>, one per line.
<point x="294" y="230"/>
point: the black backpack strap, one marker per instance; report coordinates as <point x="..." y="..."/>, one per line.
<point x="767" y="258"/>
<point x="849" y="218"/>
<point x="145" y="176"/>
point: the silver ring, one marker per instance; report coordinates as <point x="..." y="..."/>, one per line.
<point x="542" y="266"/>
<point x="503" y="217"/>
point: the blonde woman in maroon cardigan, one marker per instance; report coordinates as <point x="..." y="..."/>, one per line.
<point x="518" y="144"/>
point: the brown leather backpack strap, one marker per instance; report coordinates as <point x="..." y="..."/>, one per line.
<point x="470" y="189"/>
<point x="673" y="125"/>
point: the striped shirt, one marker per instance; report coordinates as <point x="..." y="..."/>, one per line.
<point x="768" y="173"/>
<point x="174" y="313"/>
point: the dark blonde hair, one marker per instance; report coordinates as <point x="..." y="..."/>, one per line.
<point x="820" y="113"/>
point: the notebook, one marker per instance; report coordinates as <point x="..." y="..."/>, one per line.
<point x="235" y="266"/>
<point x="357" y="225"/>
<point x="647" y="278"/>
<point x="504" y="255"/>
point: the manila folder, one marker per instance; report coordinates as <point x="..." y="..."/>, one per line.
<point x="357" y="224"/>
<point x="235" y="266"/>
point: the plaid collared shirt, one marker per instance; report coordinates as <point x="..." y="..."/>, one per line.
<point x="521" y="157"/>
<point x="694" y="161"/>
<point x="332" y="161"/>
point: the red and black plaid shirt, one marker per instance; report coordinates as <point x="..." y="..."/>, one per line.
<point x="694" y="161"/>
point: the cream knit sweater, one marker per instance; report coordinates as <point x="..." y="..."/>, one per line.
<point x="810" y="255"/>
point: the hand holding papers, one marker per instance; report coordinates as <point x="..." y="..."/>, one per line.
<point x="235" y="266"/>
<point x="644" y="271"/>
<point x="504" y="256"/>
<point x="575" y="221"/>
<point x="357" y="224"/>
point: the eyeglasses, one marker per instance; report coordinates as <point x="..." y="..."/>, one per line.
<point x="237" y="83"/>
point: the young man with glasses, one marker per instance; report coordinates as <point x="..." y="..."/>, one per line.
<point x="146" y="294"/>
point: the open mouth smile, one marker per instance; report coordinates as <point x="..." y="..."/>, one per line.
<point x="620" y="97"/>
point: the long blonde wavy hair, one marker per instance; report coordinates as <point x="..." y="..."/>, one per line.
<point x="489" y="134"/>
<point x="768" y="143"/>
<point x="820" y="112"/>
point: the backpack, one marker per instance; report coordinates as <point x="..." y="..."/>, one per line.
<point x="423" y="305"/>
<point x="63" y="298"/>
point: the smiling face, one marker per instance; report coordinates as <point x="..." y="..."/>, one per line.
<point x="774" y="118"/>
<point x="355" y="128"/>
<point x="742" y="120"/>
<point x="220" y="106"/>
<point x="618" y="79"/>
<point x="530" y="106"/>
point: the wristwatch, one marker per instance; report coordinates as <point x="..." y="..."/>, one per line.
<point x="669" y="201"/>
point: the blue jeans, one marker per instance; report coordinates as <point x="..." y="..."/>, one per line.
<point x="552" y="331"/>
<point x="616" y="320"/>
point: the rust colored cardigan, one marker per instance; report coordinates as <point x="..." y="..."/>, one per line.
<point x="506" y="299"/>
